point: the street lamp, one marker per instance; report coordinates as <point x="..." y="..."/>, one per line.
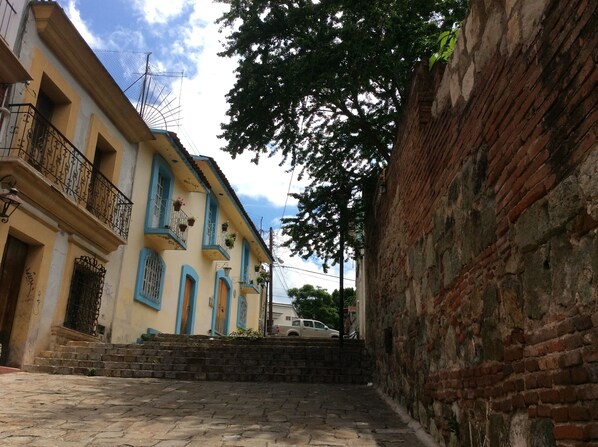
<point x="9" y="197"/>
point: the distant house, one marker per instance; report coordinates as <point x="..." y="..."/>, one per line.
<point x="283" y="313"/>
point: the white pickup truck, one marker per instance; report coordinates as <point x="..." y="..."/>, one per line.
<point x="306" y="328"/>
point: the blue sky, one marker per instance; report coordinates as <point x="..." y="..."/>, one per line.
<point x="183" y="38"/>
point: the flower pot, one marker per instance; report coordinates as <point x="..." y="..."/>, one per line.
<point x="177" y="206"/>
<point x="191" y="222"/>
<point x="257" y="268"/>
<point x="224" y="227"/>
<point x="182" y="227"/>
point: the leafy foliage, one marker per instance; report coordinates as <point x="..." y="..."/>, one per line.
<point x="349" y="296"/>
<point x="446" y="46"/>
<point x="315" y="303"/>
<point x="323" y="83"/>
<point x="246" y="333"/>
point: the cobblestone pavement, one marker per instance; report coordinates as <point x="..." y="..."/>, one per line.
<point x="54" y="411"/>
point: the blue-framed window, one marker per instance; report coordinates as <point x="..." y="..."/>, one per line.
<point x="159" y="195"/>
<point x="242" y="313"/>
<point x="150" y="278"/>
<point x="245" y="256"/>
<point x="211" y="220"/>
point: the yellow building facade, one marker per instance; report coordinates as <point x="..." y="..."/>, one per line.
<point x="113" y="230"/>
<point x="179" y="276"/>
<point x="69" y="145"/>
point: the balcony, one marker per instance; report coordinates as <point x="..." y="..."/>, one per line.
<point x="11" y="70"/>
<point x="214" y="247"/>
<point x="55" y="176"/>
<point x="249" y="286"/>
<point x="167" y="227"/>
<point x="8" y="17"/>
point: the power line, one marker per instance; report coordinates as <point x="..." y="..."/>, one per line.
<point x="283" y="281"/>
<point x="286" y="199"/>
<point x="315" y="273"/>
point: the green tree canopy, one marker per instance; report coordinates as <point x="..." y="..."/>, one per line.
<point x="323" y="83"/>
<point x="315" y="303"/>
<point x="349" y="296"/>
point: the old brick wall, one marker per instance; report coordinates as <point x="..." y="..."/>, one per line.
<point x="482" y="252"/>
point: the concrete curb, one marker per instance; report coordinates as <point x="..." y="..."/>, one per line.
<point x="419" y="431"/>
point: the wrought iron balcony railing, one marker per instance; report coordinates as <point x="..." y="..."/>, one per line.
<point x="33" y="139"/>
<point x="7" y="15"/>
<point x="166" y="218"/>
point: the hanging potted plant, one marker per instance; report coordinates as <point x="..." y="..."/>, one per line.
<point x="230" y="239"/>
<point x="257" y="268"/>
<point x="182" y="227"/>
<point x="225" y="226"/>
<point x="262" y="277"/>
<point x="178" y="203"/>
<point x="191" y="221"/>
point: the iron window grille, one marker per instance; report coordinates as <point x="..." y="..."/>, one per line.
<point x="85" y="296"/>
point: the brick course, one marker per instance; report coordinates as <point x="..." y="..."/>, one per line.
<point x="482" y="256"/>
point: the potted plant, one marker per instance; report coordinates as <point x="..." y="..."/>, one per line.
<point x="230" y="239"/>
<point x="182" y="227"/>
<point x="178" y="203"/>
<point x="225" y="226"/>
<point x="262" y="277"/>
<point x="257" y="268"/>
<point x="191" y="221"/>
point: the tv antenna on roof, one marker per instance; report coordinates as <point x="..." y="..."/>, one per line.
<point x="155" y="102"/>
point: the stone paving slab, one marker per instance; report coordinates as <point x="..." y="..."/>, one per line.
<point x="41" y="410"/>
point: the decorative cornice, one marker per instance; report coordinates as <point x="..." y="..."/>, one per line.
<point x="61" y="36"/>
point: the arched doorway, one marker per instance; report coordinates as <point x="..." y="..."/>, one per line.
<point x="221" y="304"/>
<point x="187" y="299"/>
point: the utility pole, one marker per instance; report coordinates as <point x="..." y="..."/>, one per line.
<point x="271" y="288"/>
<point x="264" y="296"/>
<point x="341" y="274"/>
<point x="144" y="87"/>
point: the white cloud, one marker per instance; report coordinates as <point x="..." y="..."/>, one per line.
<point x="195" y="49"/>
<point x="204" y="109"/>
<point x="160" y="11"/>
<point x="73" y="14"/>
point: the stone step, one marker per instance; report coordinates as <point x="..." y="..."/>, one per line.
<point x="203" y="358"/>
<point x="233" y="354"/>
<point x="304" y="377"/>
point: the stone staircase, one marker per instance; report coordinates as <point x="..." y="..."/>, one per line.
<point x="195" y="357"/>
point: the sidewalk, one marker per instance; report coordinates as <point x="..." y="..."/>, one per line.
<point x="54" y="411"/>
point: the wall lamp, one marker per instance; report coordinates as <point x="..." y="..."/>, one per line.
<point x="9" y="197"/>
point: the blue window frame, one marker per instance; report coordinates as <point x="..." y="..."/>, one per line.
<point x="211" y="220"/>
<point x="159" y="195"/>
<point x="220" y="322"/>
<point x="245" y="256"/>
<point x="150" y="279"/>
<point x="242" y="313"/>
<point x="188" y="273"/>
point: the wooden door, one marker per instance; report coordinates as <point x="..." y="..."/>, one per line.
<point x="222" y="307"/>
<point x="187" y="308"/>
<point x="11" y="273"/>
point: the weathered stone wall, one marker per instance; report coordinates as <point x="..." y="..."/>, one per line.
<point x="482" y="253"/>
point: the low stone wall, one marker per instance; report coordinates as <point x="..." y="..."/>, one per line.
<point x="482" y="254"/>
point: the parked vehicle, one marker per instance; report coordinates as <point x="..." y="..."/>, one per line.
<point x="306" y="328"/>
